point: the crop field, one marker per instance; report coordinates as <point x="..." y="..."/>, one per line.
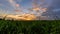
<point x="30" y="27"/>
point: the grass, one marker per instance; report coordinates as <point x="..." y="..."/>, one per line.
<point x="30" y="27"/>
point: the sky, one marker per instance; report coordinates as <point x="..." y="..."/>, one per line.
<point x="54" y="10"/>
<point x="8" y="6"/>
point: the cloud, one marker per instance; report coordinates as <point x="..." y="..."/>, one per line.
<point x="19" y="0"/>
<point x="56" y="10"/>
<point x="13" y="3"/>
<point x="1" y="4"/>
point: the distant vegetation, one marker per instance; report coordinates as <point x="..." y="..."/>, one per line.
<point x="29" y="27"/>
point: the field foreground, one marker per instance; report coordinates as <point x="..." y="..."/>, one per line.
<point x="30" y="27"/>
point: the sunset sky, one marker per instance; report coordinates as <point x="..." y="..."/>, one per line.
<point x="8" y="6"/>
